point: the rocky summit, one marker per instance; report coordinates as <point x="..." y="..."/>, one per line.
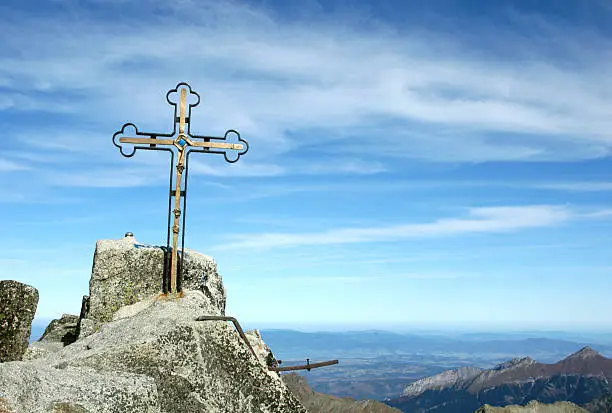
<point x="146" y="353"/>
<point x="126" y="271"/>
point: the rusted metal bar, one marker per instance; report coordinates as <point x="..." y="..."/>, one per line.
<point x="236" y="325"/>
<point x="308" y="366"/>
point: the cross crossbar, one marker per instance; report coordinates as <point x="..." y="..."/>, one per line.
<point x="151" y="141"/>
<point x="180" y="143"/>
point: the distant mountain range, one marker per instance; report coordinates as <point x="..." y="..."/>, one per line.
<point x="579" y="378"/>
<point x="368" y="344"/>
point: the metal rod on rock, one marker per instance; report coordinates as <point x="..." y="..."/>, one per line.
<point x="236" y="325"/>
<point x="308" y="366"/>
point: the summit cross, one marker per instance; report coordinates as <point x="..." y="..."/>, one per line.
<point x="183" y="144"/>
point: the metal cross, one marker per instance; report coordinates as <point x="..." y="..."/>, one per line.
<point x="184" y="142"/>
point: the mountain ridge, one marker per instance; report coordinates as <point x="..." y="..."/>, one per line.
<point x="580" y="377"/>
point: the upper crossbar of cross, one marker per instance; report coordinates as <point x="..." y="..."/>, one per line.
<point x="183" y="142"/>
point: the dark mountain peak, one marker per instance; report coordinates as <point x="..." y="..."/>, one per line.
<point x="579" y="378"/>
<point x="584" y="353"/>
<point x="515" y="370"/>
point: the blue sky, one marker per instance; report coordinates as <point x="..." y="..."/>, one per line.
<point x="411" y="163"/>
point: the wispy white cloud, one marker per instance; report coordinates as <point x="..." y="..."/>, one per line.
<point x="27" y="103"/>
<point x="385" y="185"/>
<point x="33" y="196"/>
<point x="342" y="166"/>
<point x="83" y="143"/>
<point x="11" y="166"/>
<point x="450" y="275"/>
<point x="584" y="186"/>
<point x="479" y="220"/>
<point x="359" y="281"/>
<point x="106" y="178"/>
<point x="11" y="261"/>
<point x="63" y="221"/>
<point x="27" y="157"/>
<point x="244" y="169"/>
<point x="604" y="213"/>
<point x="273" y="80"/>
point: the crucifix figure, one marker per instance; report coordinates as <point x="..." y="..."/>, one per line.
<point x="182" y="144"/>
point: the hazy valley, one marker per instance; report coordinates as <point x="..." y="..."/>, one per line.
<point x="379" y="365"/>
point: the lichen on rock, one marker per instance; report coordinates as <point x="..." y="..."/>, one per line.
<point x="18" y="303"/>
